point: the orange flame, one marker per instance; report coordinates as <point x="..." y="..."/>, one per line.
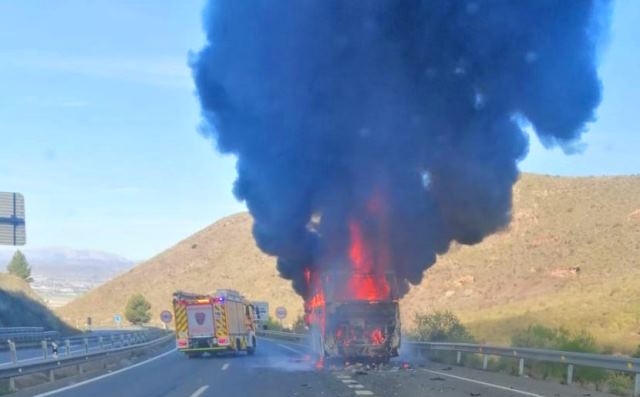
<point x="367" y="281"/>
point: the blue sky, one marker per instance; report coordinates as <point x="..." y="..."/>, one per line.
<point x="98" y="122"/>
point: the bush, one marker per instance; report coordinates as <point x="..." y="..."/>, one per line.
<point x="620" y="384"/>
<point x="137" y="310"/>
<point x="273" y="325"/>
<point x="443" y="326"/>
<point x="538" y="336"/>
<point x="637" y="353"/>
<point x="300" y="326"/>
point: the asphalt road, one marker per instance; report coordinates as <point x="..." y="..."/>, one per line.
<point x="282" y="369"/>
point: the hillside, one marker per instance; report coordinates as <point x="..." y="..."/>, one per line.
<point x="570" y="257"/>
<point x="60" y="273"/>
<point x="20" y="306"/>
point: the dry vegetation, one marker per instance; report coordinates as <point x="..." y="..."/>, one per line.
<point x="571" y="257"/>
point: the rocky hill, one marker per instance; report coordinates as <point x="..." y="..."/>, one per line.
<point x="571" y="257"/>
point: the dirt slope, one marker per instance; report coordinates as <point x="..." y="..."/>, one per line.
<point x="20" y="306"/>
<point x="571" y="257"/>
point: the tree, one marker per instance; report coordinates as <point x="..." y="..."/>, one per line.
<point x="137" y="310"/>
<point x="19" y="267"/>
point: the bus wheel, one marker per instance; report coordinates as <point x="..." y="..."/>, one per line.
<point x="252" y="349"/>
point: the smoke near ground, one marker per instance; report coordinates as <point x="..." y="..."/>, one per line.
<point x="408" y="111"/>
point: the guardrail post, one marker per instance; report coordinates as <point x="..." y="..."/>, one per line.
<point x="458" y="357"/>
<point x="101" y="342"/>
<point x="111" y="338"/>
<point x="52" y="376"/>
<point x="121" y="339"/>
<point x="521" y="367"/>
<point x="569" y="374"/>
<point x="67" y="346"/>
<point x="12" y="384"/>
<point x="485" y="361"/>
<point x="636" y="388"/>
<point x="45" y="349"/>
<point x="85" y="341"/>
<point x="12" y="351"/>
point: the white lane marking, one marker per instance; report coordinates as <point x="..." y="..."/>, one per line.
<point x="290" y="348"/>
<point x="364" y="392"/>
<point x="356" y="386"/>
<point x="200" y="390"/>
<point x="52" y="392"/>
<point x="343" y="377"/>
<point x="526" y="393"/>
<point x="225" y="366"/>
<point x="348" y="381"/>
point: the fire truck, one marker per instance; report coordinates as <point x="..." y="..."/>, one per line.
<point x="220" y="322"/>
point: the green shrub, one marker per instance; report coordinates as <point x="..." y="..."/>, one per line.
<point x="299" y="326"/>
<point x="273" y="325"/>
<point x="137" y="310"/>
<point x="541" y="337"/>
<point x="620" y="384"/>
<point x="441" y="326"/>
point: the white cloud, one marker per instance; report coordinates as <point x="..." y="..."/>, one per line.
<point x="166" y="72"/>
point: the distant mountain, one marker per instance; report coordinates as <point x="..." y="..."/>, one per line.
<point x="78" y="264"/>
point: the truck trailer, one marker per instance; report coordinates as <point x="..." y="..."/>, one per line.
<point x="220" y="322"/>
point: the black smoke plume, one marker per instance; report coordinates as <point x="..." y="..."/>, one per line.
<point x="326" y="103"/>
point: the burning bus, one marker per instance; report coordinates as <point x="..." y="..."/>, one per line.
<point x="352" y="309"/>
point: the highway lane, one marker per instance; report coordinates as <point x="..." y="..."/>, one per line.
<point x="275" y="370"/>
<point x="284" y="369"/>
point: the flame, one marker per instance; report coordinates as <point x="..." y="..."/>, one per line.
<point x="377" y="336"/>
<point x="367" y="280"/>
<point x="315" y="307"/>
<point x="359" y="276"/>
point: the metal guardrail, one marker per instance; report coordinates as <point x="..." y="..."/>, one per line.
<point x="570" y="359"/>
<point x="17" y="330"/>
<point x="25" y="337"/>
<point x="50" y="364"/>
<point x="290" y="336"/>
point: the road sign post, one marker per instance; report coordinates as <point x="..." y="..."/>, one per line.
<point x="117" y="319"/>
<point x="166" y="318"/>
<point x="281" y="314"/>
